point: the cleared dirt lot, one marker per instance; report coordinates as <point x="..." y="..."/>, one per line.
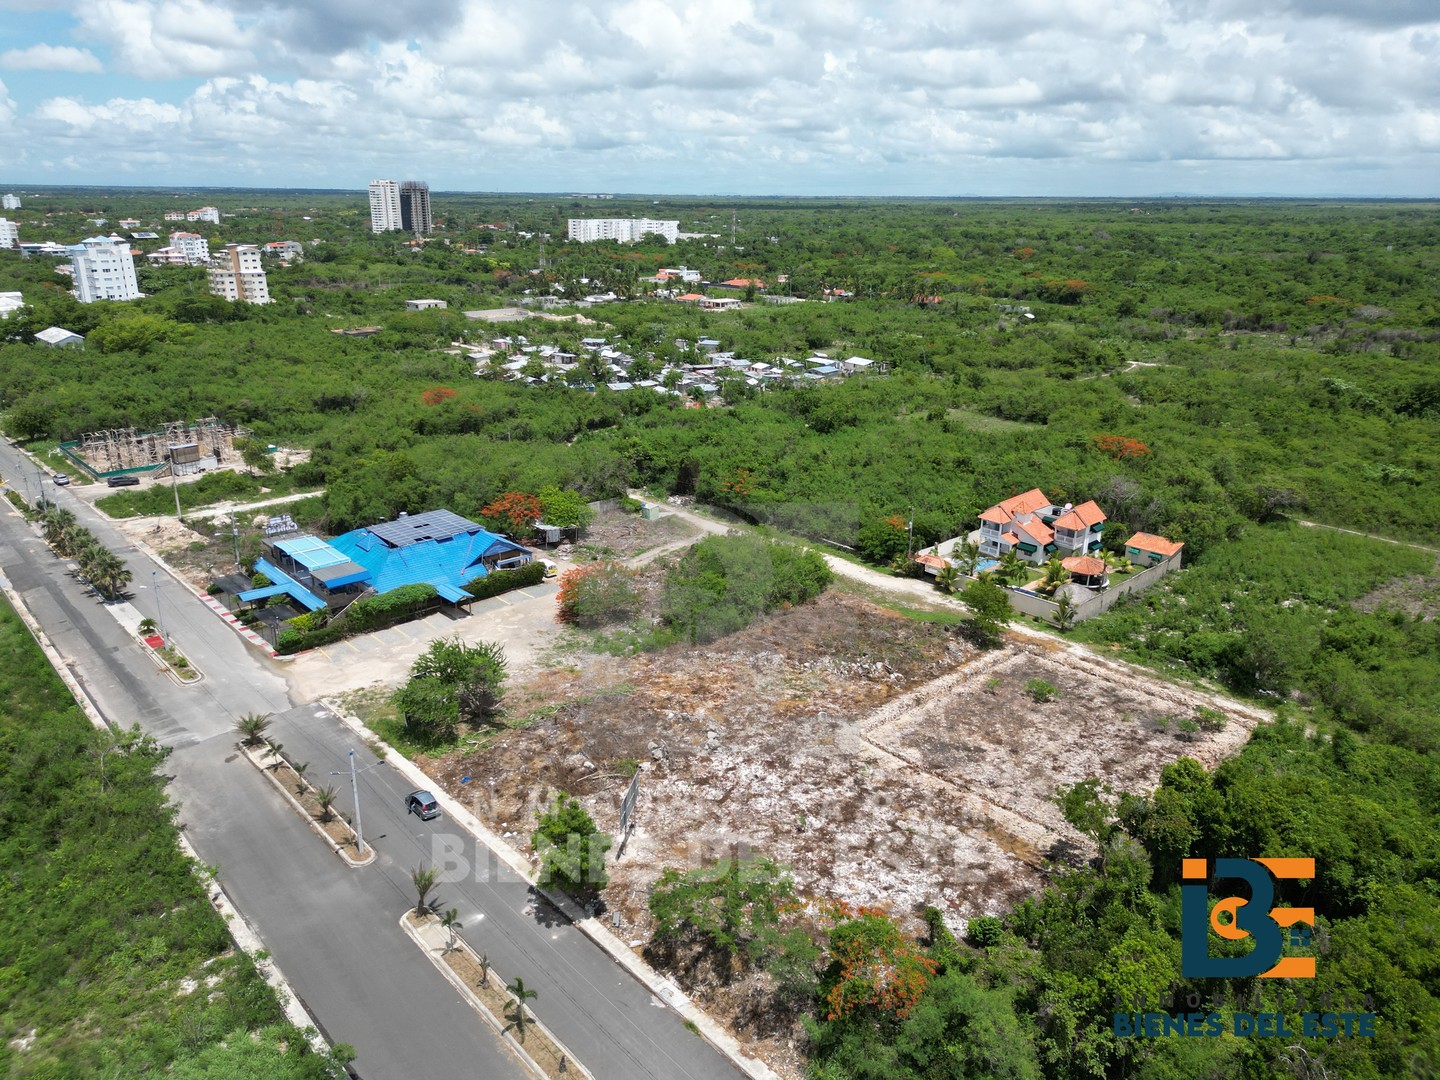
<point x="885" y="760"/>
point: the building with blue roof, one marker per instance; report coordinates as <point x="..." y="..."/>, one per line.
<point x="437" y="548"/>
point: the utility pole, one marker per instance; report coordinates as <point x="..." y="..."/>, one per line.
<point x="910" y="533"/>
<point x="159" y="611"/>
<point x="235" y="535"/>
<point x="355" y="791"/>
<point x="175" y="487"/>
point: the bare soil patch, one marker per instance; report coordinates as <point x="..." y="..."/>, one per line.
<point x="1415" y="594"/>
<point x="884" y="759"/>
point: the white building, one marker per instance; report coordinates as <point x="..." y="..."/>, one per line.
<point x="193" y="246"/>
<point x="205" y="213"/>
<point x="166" y="256"/>
<point x="285" y="249"/>
<point x="384" y="206"/>
<point x="104" y="269"/>
<point x="58" y="336"/>
<point x="625" y="230"/>
<point x="425" y="305"/>
<point x="174" y="215"/>
<point x="10" y="202"/>
<point x="236" y="274"/>
<point x="9" y="233"/>
<point x="10" y="301"/>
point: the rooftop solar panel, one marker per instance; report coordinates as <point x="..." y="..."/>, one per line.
<point x="417" y="528"/>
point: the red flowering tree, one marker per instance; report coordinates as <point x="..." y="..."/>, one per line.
<point x="874" y="966"/>
<point x="515" y="512"/>
<point x="1120" y="447"/>
<point x="437" y="395"/>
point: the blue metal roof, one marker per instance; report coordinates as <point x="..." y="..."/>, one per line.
<point x="283" y="583"/>
<point x="449" y="560"/>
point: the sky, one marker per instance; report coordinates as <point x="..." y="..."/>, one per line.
<point x="740" y="97"/>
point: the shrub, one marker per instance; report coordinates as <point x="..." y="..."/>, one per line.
<point x="984" y="931"/>
<point x="1041" y="690"/>
<point x="373" y="612"/>
<point x="724" y="583"/>
<point x="572" y="849"/>
<point x="498" y="581"/>
<point x="627" y="504"/>
<point x="600" y="593"/>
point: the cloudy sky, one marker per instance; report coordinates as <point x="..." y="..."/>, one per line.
<point x="951" y="97"/>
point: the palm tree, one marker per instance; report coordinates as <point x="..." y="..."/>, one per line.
<point x="299" y="767"/>
<point x="275" y="752"/>
<point x="1064" y="612"/>
<point x="451" y="922"/>
<point x="424" y="878"/>
<point x="1012" y="567"/>
<point x="252" y="728"/>
<point x="106" y="571"/>
<point x="484" y="969"/>
<point x="965" y="557"/>
<point x="1055" y="576"/>
<point x="947" y="578"/>
<point x="521" y="996"/>
<point x="325" y="798"/>
<point x="56" y="523"/>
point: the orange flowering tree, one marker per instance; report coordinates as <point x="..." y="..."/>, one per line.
<point x="515" y="512"/>
<point x="874" y="966"/>
<point x="437" y="395"/>
<point x="1120" y="447"/>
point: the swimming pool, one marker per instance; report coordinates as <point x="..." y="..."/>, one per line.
<point x="986" y="564"/>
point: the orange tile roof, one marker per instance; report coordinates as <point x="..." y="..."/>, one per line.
<point x="996" y="515"/>
<point x="936" y="561"/>
<point x="1010" y="538"/>
<point x="1027" y="502"/>
<point x="1084" y="565"/>
<point x="691" y="296"/>
<point x="1150" y="542"/>
<point x="1081" y="517"/>
<point x="1038" y="531"/>
<point x="744" y="282"/>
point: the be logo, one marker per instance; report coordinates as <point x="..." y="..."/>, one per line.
<point x="1255" y="917"/>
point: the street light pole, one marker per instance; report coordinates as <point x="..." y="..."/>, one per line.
<point x="910" y="533"/>
<point x="355" y="791"/>
<point x="159" y="611"/>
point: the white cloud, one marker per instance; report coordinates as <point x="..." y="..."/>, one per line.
<point x="758" y="94"/>
<point x="50" y="58"/>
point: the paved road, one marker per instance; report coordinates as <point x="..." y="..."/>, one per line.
<point x="332" y="929"/>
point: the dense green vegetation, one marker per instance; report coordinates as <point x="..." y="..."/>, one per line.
<point x="103" y="919"/>
<point x="1206" y="370"/>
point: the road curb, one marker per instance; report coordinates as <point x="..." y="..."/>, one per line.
<point x="663" y="988"/>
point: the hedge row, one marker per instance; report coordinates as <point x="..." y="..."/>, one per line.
<point x="499" y="581"/>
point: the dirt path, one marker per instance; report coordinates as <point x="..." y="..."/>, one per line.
<point x="1367" y="536"/>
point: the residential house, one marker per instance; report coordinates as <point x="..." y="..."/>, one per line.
<point x="425" y="305"/>
<point x="1018" y="524"/>
<point x="1147" y="549"/>
<point x="1078" y="529"/>
<point x="719" y="303"/>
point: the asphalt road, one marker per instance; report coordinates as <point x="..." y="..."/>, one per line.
<point x="332" y="929"/>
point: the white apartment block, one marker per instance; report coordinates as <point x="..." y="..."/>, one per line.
<point x="104" y="270"/>
<point x="9" y="233"/>
<point x="625" y="230"/>
<point x="235" y="274"/>
<point x="10" y="202"/>
<point x="384" y="206"/>
<point x="174" y="215"/>
<point x="193" y="246"/>
<point x="205" y="213"/>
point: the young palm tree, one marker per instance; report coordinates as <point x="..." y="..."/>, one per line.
<point x="484" y="969"/>
<point x="275" y="753"/>
<point x="57" y="523"/>
<point x="326" y="797"/>
<point x="521" y="996"/>
<point x="300" y="767"/>
<point x="451" y="922"/>
<point x="106" y="571"/>
<point x="947" y="578"/>
<point x="1064" y="612"/>
<point x="1055" y="576"/>
<point x="1012" y="567"/>
<point x="252" y="728"/>
<point x="424" y="878"/>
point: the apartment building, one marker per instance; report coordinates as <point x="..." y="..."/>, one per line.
<point x="104" y="269"/>
<point x="625" y="230"/>
<point x="9" y="233"/>
<point x="236" y="274"/>
<point x="384" y="206"/>
<point x="194" y="247"/>
<point x="415" y="207"/>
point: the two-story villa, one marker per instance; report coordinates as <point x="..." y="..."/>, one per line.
<point x="1036" y="529"/>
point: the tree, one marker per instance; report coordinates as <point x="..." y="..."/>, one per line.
<point x="1055" y="576"/>
<point x="572" y="849"/>
<point x="1012" y="568"/>
<point x="424" y="878"/>
<point x="252" y="728"/>
<point x="990" y="609"/>
<point x="965" y="557"/>
<point x="1064" y="612"/>
<point x="564" y="508"/>
<point x="515" y="512"/>
<point x="732" y="907"/>
<point x="517" y="988"/>
<point x="325" y="799"/>
<point x="947" y="578"/>
<point x="875" y="967"/>
<point x="450" y="922"/>
<point x="430" y="710"/>
<point x="484" y="969"/>
<point x="597" y="594"/>
<point x="255" y="454"/>
<point x="300" y="768"/>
